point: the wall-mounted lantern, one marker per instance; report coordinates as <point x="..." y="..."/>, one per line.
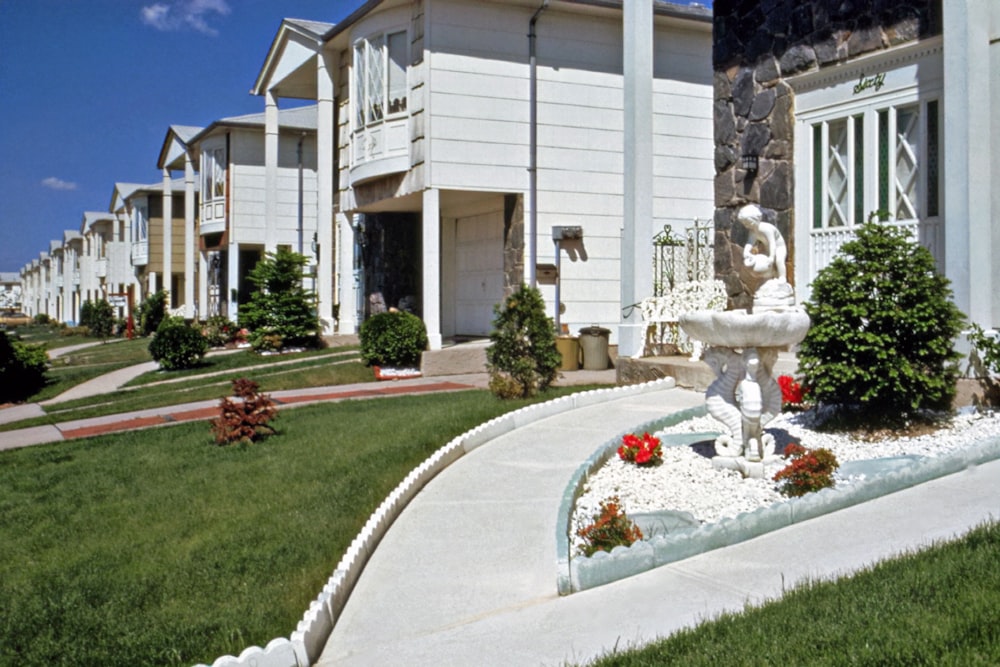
<point x="750" y="163"/>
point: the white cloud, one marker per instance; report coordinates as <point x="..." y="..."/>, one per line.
<point x="184" y="14"/>
<point x="58" y="184"/>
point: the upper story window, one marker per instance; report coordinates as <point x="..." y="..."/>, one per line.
<point x="213" y="174"/>
<point x="140" y="225"/>
<point x="380" y="77"/>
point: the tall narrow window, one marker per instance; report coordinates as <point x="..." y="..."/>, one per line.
<point x="380" y="85"/>
<point x="932" y="159"/>
<point x="837" y="178"/>
<point x="905" y="187"/>
<point x="859" y="169"/>
<point x="817" y="176"/>
<point x="883" y="160"/>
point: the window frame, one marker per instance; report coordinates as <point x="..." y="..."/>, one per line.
<point x="365" y="58"/>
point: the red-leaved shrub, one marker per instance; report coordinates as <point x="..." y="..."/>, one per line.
<point x="246" y="418"/>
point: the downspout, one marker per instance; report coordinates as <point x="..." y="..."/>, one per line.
<point x="298" y="156"/>
<point x="533" y="150"/>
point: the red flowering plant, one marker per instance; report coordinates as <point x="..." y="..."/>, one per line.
<point x="809" y="470"/>
<point x="792" y="393"/>
<point x="610" y="528"/>
<point x="644" y="451"/>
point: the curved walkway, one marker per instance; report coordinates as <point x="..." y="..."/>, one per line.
<point x="467" y="573"/>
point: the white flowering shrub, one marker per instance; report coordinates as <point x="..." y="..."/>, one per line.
<point x="662" y="313"/>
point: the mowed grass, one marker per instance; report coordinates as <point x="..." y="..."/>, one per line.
<point x="81" y="365"/>
<point x="936" y="607"/>
<point x="158" y="547"/>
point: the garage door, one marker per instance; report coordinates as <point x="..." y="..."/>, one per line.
<point x="479" y="278"/>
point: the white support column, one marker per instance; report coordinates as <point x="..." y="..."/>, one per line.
<point x="348" y="317"/>
<point x="637" y="229"/>
<point x="431" y="226"/>
<point x="202" y="286"/>
<point x="189" y="238"/>
<point x="966" y="165"/>
<point x="168" y="238"/>
<point x="233" y="281"/>
<point x="270" y="171"/>
<point x="326" y="145"/>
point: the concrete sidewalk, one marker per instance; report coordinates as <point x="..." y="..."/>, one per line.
<point x="467" y="573"/>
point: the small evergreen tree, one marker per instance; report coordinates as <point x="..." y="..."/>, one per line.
<point x="281" y="309"/>
<point x="151" y="312"/>
<point x="883" y="330"/>
<point x="523" y="358"/>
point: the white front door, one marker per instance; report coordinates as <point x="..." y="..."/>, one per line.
<point x="479" y="275"/>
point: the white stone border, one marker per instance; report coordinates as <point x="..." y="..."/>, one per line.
<point x="306" y="643"/>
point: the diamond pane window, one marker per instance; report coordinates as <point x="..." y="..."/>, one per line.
<point x="906" y="182"/>
<point x="380" y="64"/>
<point x="836" y="176"/>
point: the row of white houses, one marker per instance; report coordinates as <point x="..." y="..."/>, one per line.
<point x="427" y="154"/>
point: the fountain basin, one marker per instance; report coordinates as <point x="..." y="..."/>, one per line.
<point x="740" y="329"/>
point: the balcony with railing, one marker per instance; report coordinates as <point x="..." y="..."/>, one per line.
<point x="140" y="253"/>
<point x="825" y="244"/>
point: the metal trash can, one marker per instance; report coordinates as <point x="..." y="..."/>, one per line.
<point x="594" y="341"/>
<point x="569" y="349"/>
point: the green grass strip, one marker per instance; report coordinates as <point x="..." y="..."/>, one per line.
<point x="940" y="606"/>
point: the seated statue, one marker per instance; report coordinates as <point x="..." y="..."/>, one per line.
<point x="770" y="263"/>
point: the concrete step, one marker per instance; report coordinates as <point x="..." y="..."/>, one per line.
<point x="455" y="359"/>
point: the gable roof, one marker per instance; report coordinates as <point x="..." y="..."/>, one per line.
<point x="181" y="134"/>
<point x="298" y="118"/>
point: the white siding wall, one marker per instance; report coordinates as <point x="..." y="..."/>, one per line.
<point x="479" y="130"/>
<point x="247" y="183"/>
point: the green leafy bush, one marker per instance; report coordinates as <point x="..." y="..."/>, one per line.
<point x="22" y="368"/>
<point x="99" y="317"/>
<point x="610" y="528"/>
<point x="523" y="358"/>
<point x="42" y="318"/>
<point x="395" y="338"/>
<point x="881" y="345"/>
<point x="152" y="310"/>
<point x="280" y="306"/>
<point x="987" y="351"/>
<point x="177" y="345"/>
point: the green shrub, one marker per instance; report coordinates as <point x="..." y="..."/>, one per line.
<point x="280" y="306"/>
<point x="42" y="318"/>
<point x="392" y="339"/>
<point x="22" y="369"/>
<point x="883" y="328"/>
<point x="987" y="351"/>
<point x="98" y="316"/>
<point x="177" y="345"/>
<point x="152" y="310"/>
<point x="523" y="353"/>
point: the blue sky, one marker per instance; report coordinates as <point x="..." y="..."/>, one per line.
<point x="88" y="89"/>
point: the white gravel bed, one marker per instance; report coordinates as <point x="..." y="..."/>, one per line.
<point x="687" y="482"/>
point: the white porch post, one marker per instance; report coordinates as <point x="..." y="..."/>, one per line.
<point x="326" y="145"/>
<point x="233" y="281"/>
<point x="168" y="223"/>
<point x="203" y="286"/>
<point x="189" y="239"/>
<point x="967" y="178"/>
<point x="348" y="316"/>
<point x="270" y="170"/>
<point x="636" y="243"/>
<point x="431" y="226"/>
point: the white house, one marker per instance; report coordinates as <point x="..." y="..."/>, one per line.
<point x="852" y="108"/>
<point x="256" y="191"/>
<point x="11" y="292"/>
<point x="457" y="138"/>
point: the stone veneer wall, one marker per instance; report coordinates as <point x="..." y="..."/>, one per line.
<point x="757" y="45"/>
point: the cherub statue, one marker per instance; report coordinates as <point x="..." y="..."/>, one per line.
<point x="772" y="264"/>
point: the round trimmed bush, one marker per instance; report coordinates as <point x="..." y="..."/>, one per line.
<point x="392" y="339"/>
<point x="881" y="345"/>
<point x="177" y="346"/>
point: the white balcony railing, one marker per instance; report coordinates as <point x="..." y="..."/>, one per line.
<point x="825" y="244"/>
<point x="101" y="267"/>
<point x="140" y="253"/>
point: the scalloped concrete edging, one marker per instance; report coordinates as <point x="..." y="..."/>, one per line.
<point x="580" y="573"/>
<point x="305" y="644"/>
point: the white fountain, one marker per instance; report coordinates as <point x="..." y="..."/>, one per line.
<point x="742" y="347"/>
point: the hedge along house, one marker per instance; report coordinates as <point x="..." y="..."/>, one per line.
<point x="456" y="137"/>
<point x="256" y="192"/>
<point x="156" y="255"/>
<point x="828" y="111"/>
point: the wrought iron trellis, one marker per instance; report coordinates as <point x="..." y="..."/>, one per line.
<point x="679" y="259"/>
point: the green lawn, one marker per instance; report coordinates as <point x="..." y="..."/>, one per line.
<point x="76" y="367"/>
<point x="157" y="547"/>
<point x="937" y="607"/>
